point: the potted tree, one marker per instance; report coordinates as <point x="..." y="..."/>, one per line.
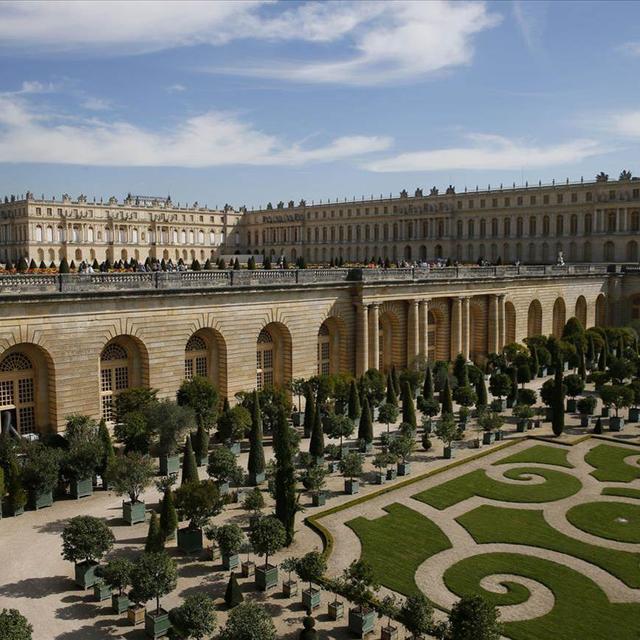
<point x="586" y="406"/>
<point x="634" y="409"/>
<point x="310" y="568"/>
<point x="198" y="502"/>
<point x="523" y="414"/>
<point x="575" y="386"/>
<point x="84" y="455"/>
<point x="130" y="474"/>
<point x="466" y="397"/>
<point x="248" y="567"/>
<point x="233" y="425"/>
<point x="117" y="574"/>
<point x="416" y="614"/>
<point x="154" y="575"/>
<point x="491" y="422"/>
<point x="256" y="463"/>
<point x="229" y="538"/>
<point x="388" y="413"/>
<point x="85" y="539"/>
<point x="429" y="408"/>
<point x="314" y="479"/>
<point x="381" y="461"/>
<point x="402" y="448"/>
<point x="16" y="495"/>
<point x="361" y="586"/>
<point x="267" y="537"/>
<point x="389" y="608"/>
<point x="202" y="398"/>
<point x="447" y="431"/>
<point x="335" y="608"/>
<point x="351" y="467"/>
<point x="195" y="617"/>
<point x="168" y="514"/>
<point x="298" y="387"/>
<point x="40" y="471"/>
<point x="340" y="427"/>
<point x="333" y="452"/>
<point x="500" y="387"/>
<point x="289" y="586"/>
<point x="617" y="396"/>
<point x="223" y="466"/>
<point x="253" y="503"/>
<point x="170" y="421"/>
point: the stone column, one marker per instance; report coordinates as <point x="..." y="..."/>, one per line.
<point x="466" y="329"/>
<point x="413" y="336"/>
<point x="423" y="329"/>
<point x="502" y="322"/>
<point x="494" y="325"/>
<point x="456" y="327"/>
<point x="374" y="336"/>
<point x="362" y="339"/>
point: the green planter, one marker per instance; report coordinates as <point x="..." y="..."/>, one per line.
<point x="365" y="447"/>
<point x="234" y="447"/>
<point x="8" y="511"/>
<point x="157" y="624"/>
<point x="499" y="435"/>
<point x="224" y="488"/>
<point x="169" y="465"/>
<point x="335" y="610"/>
<point x="119" y="603"/>
<point x="190" y="540"/>
<point x="101" y="591"/>
<point x="256" y="478"/>
<point x="85" y="574"/>
<point x="572" y="405"/>
<point x="392" y="473"/>
<point x="488" y="437"/>
<point x="248" y="569"/>
<point x="298" y="418"/>
<point x="333" y="466"/>
<point x="351" y="486"/>
<point x="605" y="412"/>
<point x="133" y="513"/>
<point x="319" y="499"/>
<point x="389" y="633"/>
<point x="230" y="562"/>
<point x="449" y="452"/>
<point x="404" y="468"/>
<point x="362" y="622"/>
<point x="542" y="372"/>
<point x="81" y="488"/>
<point x="266" y="577"/>
<point x="634" y="414"/>
<point x="290" y="588"/>
<point x="311" y="599"/>
<point x="521" y="426"/>
<point x="586" y="421"/>
<point x="381" y="478"/>
<point x="40" y="500"/>
<point x="616" y="424"/>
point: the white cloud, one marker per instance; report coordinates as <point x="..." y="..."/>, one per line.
<point x="35" y="86"/>
<point x="28" y="134"/>
<point x="96" y="104"/>
<point x="625" y="123"/>
<point x="176" y="88"/>
<point x="631" y="48"/>
<point x="530" y="18"/>
<point x="490" y="152"/>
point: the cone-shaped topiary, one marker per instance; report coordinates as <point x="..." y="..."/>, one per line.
<point x="108" y="452"/>
<point x="316" y="445"/>
<point x="189" y="465"/>
<point x="195" y="265"/>
<point x="396" y="380"/>
<point x="408" y="406"/>
<point x="309" y="410"/>
<point x="392" y="398"/>
<point x="445" y="397"/>
<point x="155" y="536"/>
<point x="72" y="266"/>
<point x="365" y="427"/>
<point x="233" y="596"/>
<point x="427" y="390"/>
<point x="557" y="419"/>
<point x="64" y="266"/>
<point x="598" y="426"/>
<point x="481" y="391"/>
<point x="355" y="408"/>
<point x="285" y="479"/>
<point x="168" y="515"/>
<point x="256" y="450"/>
<point x="200" y="442"/>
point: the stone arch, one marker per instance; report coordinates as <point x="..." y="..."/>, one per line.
<point x="438" y="251"/>
<point x="601" y="310"/>
<point x="609" y="251"/>
<point x="124" y="363"/>
<point x="581" y="310"/>
<point x="422" y="252"/>
<point x="27" y="388"/>
<point x="273" y="356"/>
<point x="206" y="355"/>
<point x="559" y="317"/>
<point x="392" y="340"/>
<point x="534" y="319"/>
<point x="478" y="346"/>
<point x="331" y="346"/>
<point x="407" y="252"/>
<point x="632" y="251"/>
<point x="439" y="335"/>
<point x="510" y="322"/>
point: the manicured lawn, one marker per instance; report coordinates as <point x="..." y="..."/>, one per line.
<point x="623" y="492"/>
<point x="395" y="545"/>
<point x="610" y="465"/>
<point x="581" y="610"/>
<point x="557" y="485"/>
<point x="541" y="454"/>
<point x="488" y="524"/>
<point x="611" y="520"/>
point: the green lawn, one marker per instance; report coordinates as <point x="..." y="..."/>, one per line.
<point x="541" y="454"/>
<point x="602" y="519"/>
<point x="609" y="463"/>
<point x="488" y="524"/>
<point x="395" y="545"/>
<point x="623" y="492"/>
<point x="557" y="485"/>
<point x="581" y="610"/>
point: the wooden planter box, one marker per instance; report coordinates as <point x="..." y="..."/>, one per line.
<point x="351" y="486"/>
<point x="40" y="500"/>
<point x="119" y="603"/>
<point x="389" y="633"/>
<point x="585" y="421"/>
<point x="266" y="577"/>
<point x="190" y="540"/>
<point x="134" y="513"/>
<point x="449" y="452"/>
<point x="234" y="447"/>
<point x="500" y="404"/>
<point x="256" y="478"/>
<point x="290" y="588"/>
<point x="605" y="412"/>
<point x="380" y="478"/>
<point x="85" y="574"/>
<point x="311" y="599"/>
<point x="572" y="405"/>
<point x="319" y="499"/>
<point x="616" y="424"/>
<point x="488" y="437"/>
<point x="230" y="562"/>
<point x="101" y="591"/>
<point x="157" y="624"/>
<point x="248" y="569"/>
<point x="297" y="417"/>
<point x="169" y="465"/>
<point x="428" y="427"/>
<point x="81" y="488"/>
<point x="335" y="610"/>
<point x="136" y="613"/>
<point x="392" y="473"/>
<point x="404" y="468"/>
<point x="542" y="372"/>
<point x="362" y="622"/>
<point x="634" y="414"/>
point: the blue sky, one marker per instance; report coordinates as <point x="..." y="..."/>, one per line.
<point x="249" y="102"/>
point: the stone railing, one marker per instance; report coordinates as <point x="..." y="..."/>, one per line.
<point x="19" y="284"/>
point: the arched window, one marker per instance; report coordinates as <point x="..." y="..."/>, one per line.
<point x="494" y="227"/>
<point x="588" y="224"/>
<point x="611" y="221"/>
<point x="483" y="228"/>
<point x="519" y="227"/>
<point x="559" y="225"/>
<point x="195" y="358"/>
<point x="49" y="234"/>
<point x="635" y="221"/>
<point x="38" y="233"/>
<point x="609" y="251"/>
<point x="532" y="226"/>
<point x="114" y="377"/>
<point x="324" y="351"/>
<point x="17" y="391"/>
<point x="574" y="225"/>
<point x="264" y="360"/>
<point x="545" y="226"/>
<point x="90" y="237"/>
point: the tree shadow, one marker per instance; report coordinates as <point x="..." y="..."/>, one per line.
<point x="100" y="630"/>
<point x="78" y="611"/>
<point x="53" y="527"/>
<point x="38" y="587"/>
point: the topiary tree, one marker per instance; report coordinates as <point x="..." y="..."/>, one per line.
<point x="195" y="617"/>
<point x="256" y="464"/>
<point x="86" y="539"/>
<point x="447" y="429"/>
<point x="428" y="388"/>
<point x="40" y="469"/>
<point x="130" y="474"/>
<point x="365" y="427"/>
<point x="316" y="444"/>
<point x="481" y="393"/>
<point x="372" y="386"/>
<point x="108" y="451"/>
<point x="16" y="495"/>
<point x="155" y="536"/>
<point x="403" y="447"/>
<point x="200" y="444"/>
<point x="200" y="395"/>
<point x="388" y="413"/>
<point x="154" y="575"/>
<point x="117" y="574"/>
<point x="574" y="384"/>
<point x="527" y="396"/>
<point x="408" y="406"/>
<point x="229" y="538"/>
<point x="472" y="618"/>
<point x="391" y="397"/>
<point x="223" y="466"/>
<point x="465" y="396"/>
<point x="168" y="515"/>
<point x="311" y="567"/>
<point x="445" y="398"/>
<point x="355" y="408"/>
<point x="267" y="537"/>
<point x="233" y="595"/>
<point x="14" y="626"/>
<point x="248" y="621"/>
<point x="360" y="583"/>
<point x="339" y="426"/>
<point x="557" y="407"/>
<point x="617" y="396"/>
<point x="134" y="432"/>
<point x="309" y="411"/>
<point x="351" y="465"/>
<point x="416" y="614"/>
<point x="500" y="385"/>
<point x="189" y="464"/>
<point x="460" y="370"/>
<point x="198" y="502"/>
<point x="169" y="421"/>
<point x="285" y="481"/>
<point x="234" y="423"/>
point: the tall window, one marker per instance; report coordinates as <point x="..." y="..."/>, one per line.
<point x="195" y="358"/>
<point x="17" y="391"/>
<point x="114" y="377"/>
<point x="324" y="351"/>
<point x="264" y="360"/>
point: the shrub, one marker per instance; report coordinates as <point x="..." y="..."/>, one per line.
<point x="465" y="396"/>
<point x="402" y="447"/>
<point x="154" y="575"/>
<point x="365" y="428"/>
<point x="41" y="468"/>
<point x="360" y="582"/>
<point x="223" y="466"/>
<point x="267" y="537"/>
<point x="155" y="536"/>
<point x="189" y="464"/>
<point x="500" y="385"/>
<point x="130" y="474"/>
<point x="311" y="567"/>
<point x="229" y="538"/>
<point x="169" y="421"/>
<point x="86" y="538"/>
<point x="472" y="618"/>
<point x="408" y="406"/>
<point x="117" y="573"/>
<point x="574" y="384"/>
<point x="388" y="413"/>
<point x="447" y="429"/>
<point x="426" y="442"/>
<point x="198" y="502"/>
<point x="351" y="465"/>
<point x="202" y="397"/>
<point x="14" y="626"/>
<point x="196" y="616"/>
<point x="233" y="595"/>
<point x="616" y="396"/>
<point x="234" y="423"/>
<point x="586" y="406"/>
<point x="445" y="397"/>
<point x="527" y="396"/>
<point x="134" y="432"/>
<point x="416" y="614"/>
<point x="339" y="426"/>
<point x="248" y="621"/>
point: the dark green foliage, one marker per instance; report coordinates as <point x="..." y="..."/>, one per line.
<point x="16" y="495"/>
<point x="84" y="453"/>
<point x="427" y="389"/>
<point x="617" y="396"/>
<point x="316" y="445"/>
<point x="396" y="379"/>
<point x="195" y="617"/>
<point x="168" y="515"/>
<point x="372" y="385"/>
<point x="460" y="370"/>
<point x="408" y="406"/>
<point x="445" y="398"/>
<point x="86" y="538"/>
<point x="155" y="537"/>
<point x="130" y="474"/>
<point x="135" y="399"/>
<point x="574" y="384"/>
<point x="154" y="575"/>
<point x="256" y="451"/>
<point x="513" y="373"/>
<point x="598" y="426"/>
<point x="268" y="536"/>
<point x="527" y="397"/>
<point x="189" y="464"/>
<point x="465" y="396"/>
<point x="500" y="385"/>
<point x="248" y="621"/>
<point x="117" y="573"/>
<point x="311" y="567"/>
<point x="388" y="413"/>
<point x="308" y="631"/>
<point x="557" y="420"/>
<point x="365" y="427"/>
<point x="40" y="468"/>
<point x="416" y="614"/>
<point x="134" y="432"/>
<point x="223" y="466"/>
<point x="22" y="265"/>
<point x="202" y="397"/>
<point x="169" y="421"/>
<point x="64" y="266"/>
<point x="392" y="398"/>
<point x="360" y="582"/>
<point x="107" y="447"/>
<point x="195" y="265"/>
<point x="234" y="423"/>
<point x="481" y="392"/>
<point x="309" y="410"/>
<point x="14" y="626"/>
<point x="474" y="619"/>
<point x="285" y="481"/>
<point x="199" y="501"/>
<point x="233" y="595"/>
<point x="355" y="408"/>
<point x="200" y="443"/>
